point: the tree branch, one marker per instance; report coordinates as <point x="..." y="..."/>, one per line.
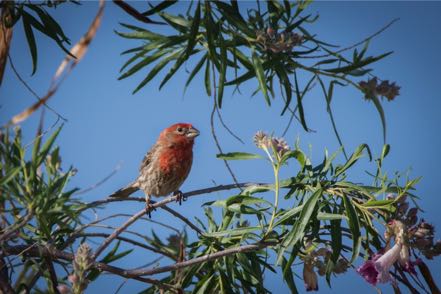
<point x="41" y="251"/>
<point x="198" y="260"/>
<point x="9" y="231"/>
<point x="173" y="198"/>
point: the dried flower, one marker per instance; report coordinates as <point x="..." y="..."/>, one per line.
<point x="280" y="145"/>
<point x="261" y="139"/>
<point x="264" y="141"/>
<point x="309" y="277"/>
<point x="369" y="88"/>
<point x="386" y="89"/>
<point x="276" y="42"/>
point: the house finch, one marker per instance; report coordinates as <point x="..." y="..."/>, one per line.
<point x="166" y="166"/>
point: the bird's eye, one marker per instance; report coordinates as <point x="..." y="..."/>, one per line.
<point x="179" y="130"/>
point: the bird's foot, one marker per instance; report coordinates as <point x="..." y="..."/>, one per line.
<point x="149" y="208"/>
<point x="179" y="197"/>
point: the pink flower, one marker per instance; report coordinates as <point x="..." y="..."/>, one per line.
<point x="376" y="270"/>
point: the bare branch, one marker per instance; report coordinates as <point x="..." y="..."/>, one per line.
<point x="198" y="260"/>
<point x="118" y="231"/>
<point x="183" y="218"/>
<point x="128" y="240"/>
<point x="39" y="251"/>
<point x="173" y="198"/>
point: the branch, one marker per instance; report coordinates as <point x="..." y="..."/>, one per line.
<point x="128" y="240"/>
<point x="116" y="233"/>
<point x="198" y="260"/>
<point x="52" y="274"/>
<point x="9" y="231"/>
<point x="135" y="13"/>
<point x="41" y="251"/>
<point x="183" y="218"/>
<point x="173" y="198"/>
<point x="5" y="286"/>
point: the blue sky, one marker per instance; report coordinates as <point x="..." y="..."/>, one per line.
<point x="108" y="126"/>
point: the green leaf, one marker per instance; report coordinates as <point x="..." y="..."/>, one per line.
<point x="194" y="30"/>
<point x="146" y="61"/>
<point x="358" y="153"/>
<point x="206" y="284"/>
<point x="31" y="42"/>
<point x="234" y="18"/>
<point x="9" y="175"/>
<point x="288" y="215"/>
<point x="354" y="226"/>
<point x="207" y="79"/>
<point x="380" y="110"/>
<point x="174" y="69"/>
<point x="158" y="67"/>
<point x="178" y="22"/>
<point x="47" y="146"/>
<point x="330" y="216"/>
<point x="140" y="33"/>
<point x="260" y="76"/>
<point x="160" y="7"/>
<point x="351" y="67"/>
<point x="233" y="232"/>
<point x="196" y="69"/>
<point x="300" y="225"/>
<point x="299" y="99"/>
<point x="223" y="71"/>
<point x="288" y="276"/>
<point x="336" y="239"/>
<point x="238" y="156"/>
<point x="283" y="77"/>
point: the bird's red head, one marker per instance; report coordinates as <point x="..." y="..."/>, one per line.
<point x="180" y="133"/>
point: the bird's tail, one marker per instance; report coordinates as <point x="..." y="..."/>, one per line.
<point x="125" y="192"/>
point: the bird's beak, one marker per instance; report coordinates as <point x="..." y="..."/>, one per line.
<point x="192" y="132"/>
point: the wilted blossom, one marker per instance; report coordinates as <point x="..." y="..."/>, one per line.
<point x="376" y="270"/>
<point x="310" y="277"/>
<point x="318" y="259"/>
<point x="276" y="42"/>
<point x="386" y="89"/>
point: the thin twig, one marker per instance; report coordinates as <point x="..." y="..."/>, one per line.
<point x="183" y="218"/>
<point x="116" y="233"/>
<point x="52" y="274"/>
<point x="94" y="186"/>
<point x="26" y="85"/>
<point x="174" y="197"/>
<point x="128" y="240"/>
<point x="227" y="128"/>
<point x="198" y="260"/>
<point x="356" y="44"/>
<point x="38" y="251"/>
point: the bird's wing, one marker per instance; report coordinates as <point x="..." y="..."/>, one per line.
<point x="148" y="158"/>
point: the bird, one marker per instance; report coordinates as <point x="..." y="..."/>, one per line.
<point x="165" y="166"/>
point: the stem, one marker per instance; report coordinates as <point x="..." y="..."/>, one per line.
<point x="276" y="168"/>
